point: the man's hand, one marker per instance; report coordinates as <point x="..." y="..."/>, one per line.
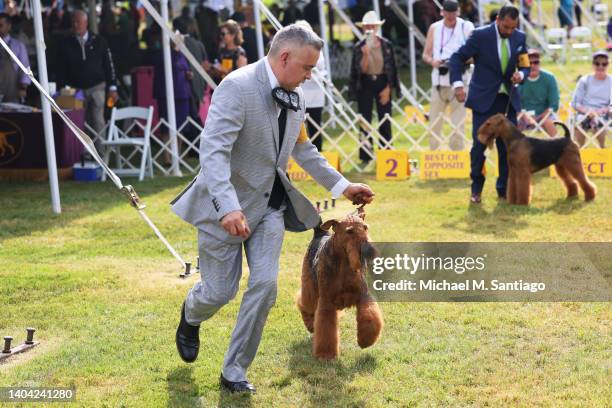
<point x="385" y="95"/>
<point x="436" y="63"/>
<point x="460" y="94"/>
<point x="516" y="78"/>
<point x="359" y="193"/>
<point x="235" y="223"/>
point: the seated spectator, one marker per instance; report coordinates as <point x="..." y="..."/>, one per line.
<point x="539" y="97"/>
<point x="373" y="75"/>
<point x="13" y="82"/>
<point x="231" y="55"/>
<point x="592" y="101"/>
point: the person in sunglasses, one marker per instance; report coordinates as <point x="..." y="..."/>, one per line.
<point x="539" y="97"/>
<point x="231" y="55"/>
<point x="592" y="101"/>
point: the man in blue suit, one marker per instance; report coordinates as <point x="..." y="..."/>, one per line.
<point x="498" y="50"/>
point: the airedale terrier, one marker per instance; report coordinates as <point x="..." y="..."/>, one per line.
<point x="333" y="278"/>
<point x="526" y="155"/>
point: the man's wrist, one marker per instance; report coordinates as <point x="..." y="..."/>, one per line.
<point x="338" y="189"/>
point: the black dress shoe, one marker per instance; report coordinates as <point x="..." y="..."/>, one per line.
<point x="239" y="386"/>
<point x="187" y="339"/>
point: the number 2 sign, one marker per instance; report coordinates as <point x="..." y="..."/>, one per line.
<point x="392" y="165"/>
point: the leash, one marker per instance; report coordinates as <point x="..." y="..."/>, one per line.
<point x="127" y="190"/>
<point x="509" y="101"/>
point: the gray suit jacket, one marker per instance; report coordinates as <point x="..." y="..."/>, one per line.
<point x="239" y="158"/>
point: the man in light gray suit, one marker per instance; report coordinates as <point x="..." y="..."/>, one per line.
<point x="242" y="196"/>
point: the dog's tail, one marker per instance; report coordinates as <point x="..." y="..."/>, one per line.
<point x="566" y="131"/>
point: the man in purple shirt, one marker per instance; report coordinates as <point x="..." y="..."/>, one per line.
<point x="13" y="82"/>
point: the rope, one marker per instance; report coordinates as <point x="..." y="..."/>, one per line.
<point x="127" y="190"/>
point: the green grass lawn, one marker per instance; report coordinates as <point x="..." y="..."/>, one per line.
<point x="104" y="295"/>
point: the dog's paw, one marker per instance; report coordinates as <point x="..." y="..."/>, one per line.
<point x="325" y="355"/>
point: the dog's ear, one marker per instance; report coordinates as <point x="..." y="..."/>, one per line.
<point x="329" y="224"/>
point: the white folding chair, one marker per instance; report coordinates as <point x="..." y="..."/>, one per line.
<point x="556" y="41"/>
<point x="582" y="41"/>
<point x="129" y="137"/>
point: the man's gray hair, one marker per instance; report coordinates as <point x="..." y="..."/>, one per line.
<point x="294" y="36"/>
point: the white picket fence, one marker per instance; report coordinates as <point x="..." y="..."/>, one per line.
<point x="411" y="132"/>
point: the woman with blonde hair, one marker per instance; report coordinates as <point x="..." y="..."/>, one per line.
<point x="231" y="55"/>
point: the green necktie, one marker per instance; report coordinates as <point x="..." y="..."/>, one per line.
<point x="504" y="55"/>
<point x="504" y="62"/>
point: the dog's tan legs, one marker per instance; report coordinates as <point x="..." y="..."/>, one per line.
<point x="325" y="344"/>
<point x="369" y="323"/>
<point x="572" y="162"/>
<point x="511" y="188"/>
<point x="568" y="180"/>
<point x="523" y="185"/>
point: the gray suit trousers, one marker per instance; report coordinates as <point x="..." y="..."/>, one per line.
<point x="221" y="270"/>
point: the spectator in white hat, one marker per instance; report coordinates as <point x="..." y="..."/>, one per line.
<point x="373" y="75"/>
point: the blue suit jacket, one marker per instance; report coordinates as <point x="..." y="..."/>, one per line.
<point x="487" y="78"/>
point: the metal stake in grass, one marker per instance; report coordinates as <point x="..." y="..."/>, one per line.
<point x="30" y="338"/>
<point x="28" y="344"/>
<point x="187" y="271"/>
<point x="7" y="344"/>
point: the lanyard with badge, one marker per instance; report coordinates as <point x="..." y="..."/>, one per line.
<point x="442" y="44"/>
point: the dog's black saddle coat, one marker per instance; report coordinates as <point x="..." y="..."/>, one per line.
<point x="546" y="152"/>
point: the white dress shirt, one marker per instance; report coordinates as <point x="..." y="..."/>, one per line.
<point x="343" y="183"/>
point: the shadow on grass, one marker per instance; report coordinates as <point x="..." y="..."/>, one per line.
<point x="443" y="185"/>
<point x="229" y="400"/>
<point x="565" y="206"/>
<point x="326" y="383"/>
<point x="26" y="206"/>
<point x="182" y="389"/>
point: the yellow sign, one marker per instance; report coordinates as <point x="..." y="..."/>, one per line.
<point x="441" y="164"/>
<point x="297" y="173"/>
<point x="392" y="165"/>
<point x="596" y="163"/>
<point x="414" y="114"/>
